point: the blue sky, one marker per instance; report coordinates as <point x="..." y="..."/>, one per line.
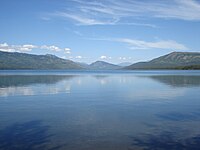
<point x="110" y="30"/>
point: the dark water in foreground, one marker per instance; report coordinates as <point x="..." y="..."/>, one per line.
<point x="99" y="110"/>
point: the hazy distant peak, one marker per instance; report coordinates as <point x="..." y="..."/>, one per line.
<point x="103" y="65"/>
<point x="124" y="64"/>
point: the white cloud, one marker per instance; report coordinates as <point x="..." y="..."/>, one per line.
<point x="105" y="57"/>
<point x="4" y="45"/>
<point x="139" y="44"/>
<point x="115" y="12"/>
<point x="16" y="48"/>
<point x="78" y="57"/>
<point x="26" y="47"/>
<point x="56" y="48"/>
<point x="67" y="50"/>
<point x="122" y="58"/>
<point x="51" y="47"/>
<point x="6" y="48"/>
<point x="29" y="47"/>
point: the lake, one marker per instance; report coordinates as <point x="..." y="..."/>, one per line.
<point x="99" y="110"/>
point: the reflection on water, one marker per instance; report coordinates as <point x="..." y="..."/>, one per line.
<point x="100" y="111"/>
<point x="177" y="80"/>
<point x="23" y="80"/>
<point x="28" y="84"/>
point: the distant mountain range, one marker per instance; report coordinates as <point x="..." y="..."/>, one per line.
<point x="174" y="60"/>
<point x="99" y="65"/>
<point x="102" y="65"/>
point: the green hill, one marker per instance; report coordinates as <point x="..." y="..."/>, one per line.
<point x="174" y="60"/>
<point x="28" y="61"/>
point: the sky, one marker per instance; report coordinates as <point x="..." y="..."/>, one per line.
<point x="109" y="30"/>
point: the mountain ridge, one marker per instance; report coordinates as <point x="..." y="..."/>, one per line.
<point x="15" y="60"/>
<point x="174" y="60"/>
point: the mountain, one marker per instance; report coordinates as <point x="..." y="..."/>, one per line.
<point x="102" y="65"/>
<point x="174" y="60"/>
<point x="124" y="64"/>
<point x="83" y="65"/>
<point x="14" y="60"/>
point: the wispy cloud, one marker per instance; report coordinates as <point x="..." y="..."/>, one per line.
<point x="129" y="12"/>
<point x="139" y="44"/>
<point x="85" y="20"/>
<point x="78" y="33"/>
<point x="29" y="47"/>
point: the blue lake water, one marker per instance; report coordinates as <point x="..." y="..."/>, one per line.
<point x="99" y="110"/>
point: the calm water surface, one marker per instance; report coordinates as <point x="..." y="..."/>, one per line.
<point x="59" y="110"/>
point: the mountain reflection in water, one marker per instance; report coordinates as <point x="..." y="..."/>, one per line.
<point x="178" y="80"/>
